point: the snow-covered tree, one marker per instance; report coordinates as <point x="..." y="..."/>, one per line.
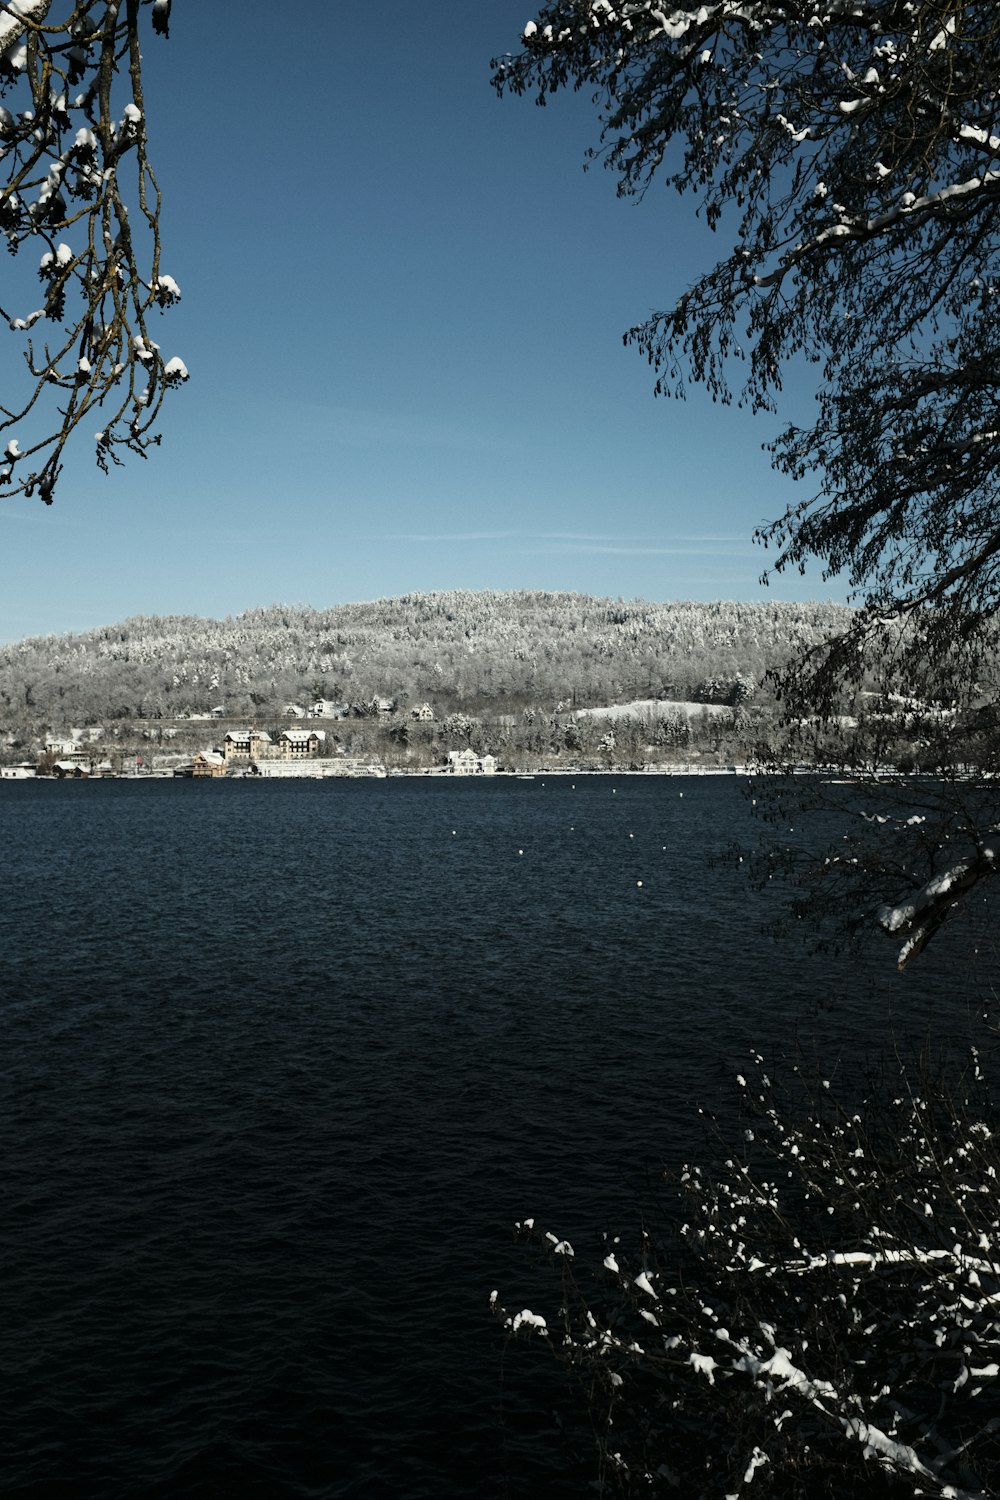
<point x="78" y="191"/>
<point x="847" y="152"/>
<point x="817" y="1315"/>
<point x="384" y="644"/>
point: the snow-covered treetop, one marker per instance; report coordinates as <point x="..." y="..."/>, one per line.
<point x="78" y="183"/>
<point x="875" y="113"/>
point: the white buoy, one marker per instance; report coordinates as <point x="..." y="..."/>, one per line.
<point x="639" y="882"/>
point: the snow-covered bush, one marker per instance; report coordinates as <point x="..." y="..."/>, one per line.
<point x="817" y="1314"/>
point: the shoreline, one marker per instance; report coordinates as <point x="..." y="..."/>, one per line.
<point x="384" y="773"/>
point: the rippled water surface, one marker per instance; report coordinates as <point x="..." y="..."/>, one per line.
<point x="282" y="1064"/>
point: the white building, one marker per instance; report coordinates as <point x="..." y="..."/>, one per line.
<point x="467" y="763"/>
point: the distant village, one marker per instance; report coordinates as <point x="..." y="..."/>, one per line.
<point x="329" y="738"/>
<point x="243" y="752"/>
<point x="449" y="684"/>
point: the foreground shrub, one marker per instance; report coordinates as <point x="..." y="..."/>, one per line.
<point x="818" y="1314"/>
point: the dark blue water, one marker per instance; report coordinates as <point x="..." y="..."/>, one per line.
<point x="283" y="1062"/>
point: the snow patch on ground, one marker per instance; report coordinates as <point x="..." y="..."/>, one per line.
<point x="653" y="709"/>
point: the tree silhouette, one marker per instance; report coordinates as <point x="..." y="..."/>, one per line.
<point x="850" y="156"/>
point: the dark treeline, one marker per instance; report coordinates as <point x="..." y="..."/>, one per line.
<point x="483" y="654"/>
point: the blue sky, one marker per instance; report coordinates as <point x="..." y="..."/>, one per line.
<point x="402" y="313"/>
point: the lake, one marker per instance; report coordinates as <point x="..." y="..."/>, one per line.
<point x="285" y="1060"/>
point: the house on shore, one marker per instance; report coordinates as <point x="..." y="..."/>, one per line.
<point x="67" y="770"/>
<point x="208" y="763"/>
<point x="299" y="744"/>
<point x="467" y="763"/>
<point x="257" y="745"/>
<point x="246" y="744"/>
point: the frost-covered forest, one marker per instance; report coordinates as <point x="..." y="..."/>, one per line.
<point x="510" y="673"/>
<point x="478" y="653"/>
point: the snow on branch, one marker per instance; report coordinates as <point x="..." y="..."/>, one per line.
<point x="16" y="16"/>
<point x="78" y="183"/>
<point x="918" y="210"/>
<point x="918" y="917"/>
<point x="827" y="1298"/>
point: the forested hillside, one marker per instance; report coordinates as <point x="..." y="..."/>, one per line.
<point x="478" y="653"/>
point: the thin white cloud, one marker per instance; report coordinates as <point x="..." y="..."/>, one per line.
<point x="432" y="538"/>
<point x="685" y="546"/>
<point x="37" y="517"/>
<point x="705" y="550"/>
